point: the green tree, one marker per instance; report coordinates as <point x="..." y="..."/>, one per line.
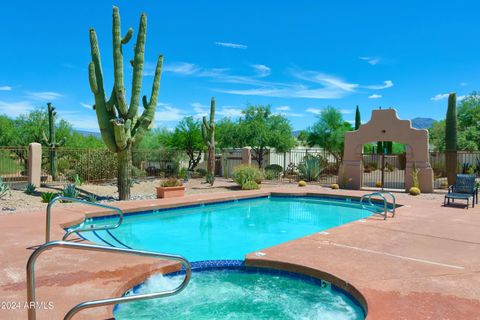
<point x="329" y="132"/>
<point x="155" y="139"/>
<point x="261" y="130"/>
<point x="358" y="120"/>
<point x="188" y="138"/>
<point x="226" y="134"/>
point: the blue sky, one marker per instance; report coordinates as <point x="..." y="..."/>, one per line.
<point x="299" y="56"/>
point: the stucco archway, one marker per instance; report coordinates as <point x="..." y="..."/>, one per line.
<point x="386" y="126"/>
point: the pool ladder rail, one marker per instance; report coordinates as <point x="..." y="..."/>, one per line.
<point x="92" y="247"/>
<point x="380" y="194"/>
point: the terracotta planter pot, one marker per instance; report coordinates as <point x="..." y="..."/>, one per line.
<point x="170" y="192"/>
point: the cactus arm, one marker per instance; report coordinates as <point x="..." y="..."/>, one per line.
<point x="45" y="139"/>
<point x="118" y="64"/>
<point x="138" y="63"/>
<point x="212" y="111"/>
<point x="145" y="122"/>
<point x="119" y="130"/>
<point x="96" y="78"/>
<point x="127" y="36"/>
<point x="62" y="142"/>
<point x="92" y="79"/>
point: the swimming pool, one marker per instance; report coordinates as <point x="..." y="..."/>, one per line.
<point x="227" y="230"/>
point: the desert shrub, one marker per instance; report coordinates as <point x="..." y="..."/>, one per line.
<point x="250" y="185"/>
<point x="378" y="184"/>
<point x="95" y="166"/>
<point x="310" y="168"/>
<point x="201" y="172"/>
<point x="183" y="174"/>
<point x="414" y="191"/>
<point x="390" y="167"/>
<point x="4" y="188"/>
<point x="371" y="166"/>
<point x="47" y="196"/>
<point x="444" y="184"/>
<point x="334" y="186"/>
<point x="210" y="178"/>
<point x="302" y="183"/>
<point x="271" y="175"/>
<point x="244" y="173"/>
<point x="274" y="167"/>
<point x="172" y="182"/>
<point x="137" y="173"/>
<point x="30" y="189"/>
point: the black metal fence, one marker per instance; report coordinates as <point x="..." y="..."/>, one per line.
<point x="14" y="165"/>
<point x="387" y="171"/>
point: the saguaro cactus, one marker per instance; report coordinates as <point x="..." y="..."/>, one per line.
<point x="120" y="125"/>
<point x="51" y="141"/>
<point x="451" y="139"/>
<point x="208" y="134"/>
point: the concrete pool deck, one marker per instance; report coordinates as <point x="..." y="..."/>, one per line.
<point x="422" y="264"/>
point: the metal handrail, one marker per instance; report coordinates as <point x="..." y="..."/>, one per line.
<point x="393" y="201"/>
<point x="369" y="197"/>
<point x="101" y="302"/>
<point x="69" y="232"/>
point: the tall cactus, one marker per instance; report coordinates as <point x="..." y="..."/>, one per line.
<point x="208" y="134"/>
<point x="451" y="139"/>
<point x="51" y="141"/>
<point x="120" y="125"/>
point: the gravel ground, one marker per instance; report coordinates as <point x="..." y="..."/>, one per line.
<point x="17" y="201"/>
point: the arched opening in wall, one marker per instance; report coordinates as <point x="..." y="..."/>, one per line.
<point x="384" y="164"/>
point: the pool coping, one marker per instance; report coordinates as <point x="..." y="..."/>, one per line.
<point x="287" y="267"/>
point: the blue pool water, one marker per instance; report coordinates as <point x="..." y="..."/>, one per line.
<point x="227" y="230"/>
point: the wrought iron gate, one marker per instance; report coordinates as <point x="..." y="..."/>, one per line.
<point x="384" y="171"/>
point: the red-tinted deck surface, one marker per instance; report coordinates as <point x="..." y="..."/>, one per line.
<point x="422" y="264"/>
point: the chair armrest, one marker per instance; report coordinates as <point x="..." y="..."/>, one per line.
<point x="451" y="188"/>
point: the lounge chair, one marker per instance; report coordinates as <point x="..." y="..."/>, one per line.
<point x="465" y="188"/>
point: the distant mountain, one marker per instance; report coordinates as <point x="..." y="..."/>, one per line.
<point x="88" y="133"/>
<point x="422" y="123"/>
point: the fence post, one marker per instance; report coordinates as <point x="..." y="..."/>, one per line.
<point x="246" y="156"/>
<point x="34" y="163"/>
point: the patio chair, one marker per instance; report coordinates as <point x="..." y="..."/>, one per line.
<point x="465" y="188"/>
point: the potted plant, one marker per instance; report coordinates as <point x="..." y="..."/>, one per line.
<point x="170" y="188"/>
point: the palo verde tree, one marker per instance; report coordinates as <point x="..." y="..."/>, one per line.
<point x="451" y="139"/>
<point x="51" y="141"/>
<point x="329" y="132"/>
<point x="208" y="135"/>
<point x="262" y="130"/>
<point x="188" y="138"/>
<point x="120" y="125"/>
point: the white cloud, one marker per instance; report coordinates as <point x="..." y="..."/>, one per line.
<point x="44" y="95"/>
<point x="282" y="108"/>
<point x="14" y="109"/>
<point x="230" y="112"/>
<point x="184" y="68"/>
<point x="439" y="97"/>
<point x="375" y="96"/>
<point x="262" y="70"/>
<point x="386" y="84"/>
<point x="166" y="112"/>
<point x="5" y="88"/>
<point x="86" y="105"/>
<point x="459" y="98"/>
<point x="314" y="110"/>
<point x="371" y="60"/>
<point x="231" y="45"/>
<point x="463" y="84"/>
<point x="346" y="111"/>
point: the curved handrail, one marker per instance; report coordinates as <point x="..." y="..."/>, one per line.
<point x="101" y="302"/>
<point x="69" y="232"/>
<point x="370" y="195"/>
<point x="393" y="201"/>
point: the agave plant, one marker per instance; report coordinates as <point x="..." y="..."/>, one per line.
<point x="70" y="191"/>
<point x="310" y="168"/>
<point x="47" y="196"/>
<point x="30" y="189"/>
<point x="4" y="188"/>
